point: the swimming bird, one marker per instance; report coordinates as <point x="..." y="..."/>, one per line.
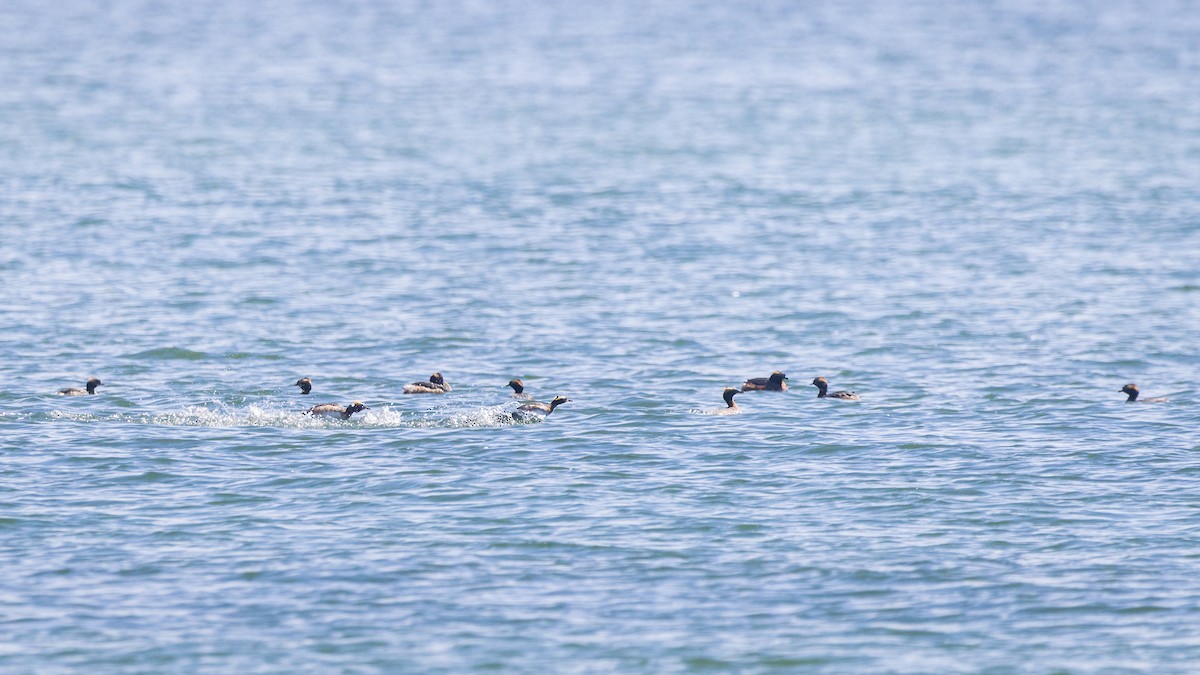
<point x="532" y="411"/>
<point x="76" y="391"/>
<point x="1133" y="391"/>
<point x="435" y="385"/>
<point x="730" y="408"/>
<point x="518" y="388"/>
<point x="773" y="383"/>
<point x="305" y="385"/>
<point x="335" y="411"/>
<point x="822" y="385"/>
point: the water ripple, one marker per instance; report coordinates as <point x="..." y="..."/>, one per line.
<point x="980" y="217"/>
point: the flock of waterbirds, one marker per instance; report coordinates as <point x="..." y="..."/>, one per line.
<point x="534" y="411"/>
<point x="436" y="384"/>
<point x="777" y="382"/>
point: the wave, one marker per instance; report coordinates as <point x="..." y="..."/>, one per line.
<point x="168" y="354"/>
<point x="384" y="417"/>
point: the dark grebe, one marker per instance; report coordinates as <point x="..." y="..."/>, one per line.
<point x="435" y="385"/>
<point x="532" y="411"/>
<point x="518" y="388"/>
<point x="76" y="391"/>
<point x="773" y="383"/>
<point x="822" y="385"/>
<point x="1133" y="391"/>
<point x="305" y="385"/>
<point x="336" y="411"/>
<point x="730" y="408"/>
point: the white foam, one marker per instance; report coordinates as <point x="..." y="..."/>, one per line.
<point x="257" y="415"/>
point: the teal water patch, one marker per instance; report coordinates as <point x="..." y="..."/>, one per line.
<point x="242" y="356"/>
<point x="167" y="354"/>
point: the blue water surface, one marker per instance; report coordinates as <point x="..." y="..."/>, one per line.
<point x="981" y="216"/>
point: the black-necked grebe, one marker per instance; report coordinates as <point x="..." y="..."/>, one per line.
<point x="822" y="386"/>
<point x="518" y="388"/>
<point x="731" y="408"/>
<point x="538" y="410"/>
<point x="773" y="383"/>
<point x="76" y="391"/>
<point x="435" y="385"/>
<point x="1133" y="391"/>
<point x="336" y="411"/>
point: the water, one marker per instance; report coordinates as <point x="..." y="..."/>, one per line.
<point x="981" y="216"/>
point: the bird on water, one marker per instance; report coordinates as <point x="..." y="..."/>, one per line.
<point x="731" y="407"/>
<point x="1132" y="390"/>
<point x="533" y="411"/>
<point x="305" y="385"/>
<point x="435" y="385"/>
<point x="518" y="388"/>
<point x="773" y="383"/>
<point x="76" y="391"/>
<point x="822" y="386"/>
<point x="335" y="411"/>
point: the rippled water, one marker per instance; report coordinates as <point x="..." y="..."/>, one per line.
<point x="980" y="216"/>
